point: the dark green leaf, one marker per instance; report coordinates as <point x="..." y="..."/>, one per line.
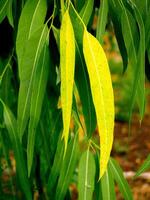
<point x="3" y="9"/>
<point x="102" y="20"/>
<point x="67" y="169"/>
<point x="10" y="13"/>
<point x="86" y="11"/>
<point x="121" y="181"/>
<point x="11" y="126"/>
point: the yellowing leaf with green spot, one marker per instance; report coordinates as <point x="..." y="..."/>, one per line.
<point x="67" y="65"/>
<point x="102" y="94"/>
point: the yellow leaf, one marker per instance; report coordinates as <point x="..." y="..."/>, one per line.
<point x="102" y="94"/>
<point x="67" y="65"/>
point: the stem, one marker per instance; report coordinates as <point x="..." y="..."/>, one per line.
<point x="62" y="6"/>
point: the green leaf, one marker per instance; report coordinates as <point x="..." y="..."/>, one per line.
<point x="81" y="75"/>
<point x="55" y="170"/>
<point x="10" y="13"/>
<point x="27" y="73"/>
<point x="11" y="126"/>
<point x="3" y="9"/>
<point x="139" y="77"/>
<point x="86" y="11"/>
<point x="39" y="86"/>
<point x="67" y="65"/>
<point x="102" y="94"/>
<point x="144" y="167"/>
<point x="86" y="178"/>
<point x="68" y="167"/>
<point x="31" y="19"/>
<point x="107" y="186"/>
<point x="102" y="20"/>
<point x="119" y="178"/>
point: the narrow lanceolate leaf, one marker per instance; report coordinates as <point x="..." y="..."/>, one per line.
<point x="102" y="93"/>
<point x="86" y="11"/>
<point x="67" y="168"/>
<point x="121" y="181"/>
<point x="107" y="186"/>
<point x="145" y="166"/>
<point x="86" y="179"/>
<point x="11" y="126"/>
<point x="67" y="64"/>
<point x="3" y="9"/>
<point x="31" y="19"/>
<point x="39" y="85"/>
<point x="102" y="19"/>
<point x="27" y="73"/>
<point x="10" y="13"/>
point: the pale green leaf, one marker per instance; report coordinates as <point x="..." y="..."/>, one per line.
<point x="145" y="166"/>
<point x="107" y="186"/>
<point x="39" y="85"/>
<point x="86" y="177"/>
<point x="31" y="19"/>
<point x="102" y="93"/>
<point x="67" y="65"/>
<point x="27" y="73"/>
<point x="121" y="181"/>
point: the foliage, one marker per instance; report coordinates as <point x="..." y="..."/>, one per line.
<point x="51" y="58"/>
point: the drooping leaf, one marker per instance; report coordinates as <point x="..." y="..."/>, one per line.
<point x="27" y="73"/>
<point x="107" y="186"/>
<point x="10" y="13"/>
<point x="86" y="11"/>
<point x="86" y="177"/>
<point x="145" y="166"/>
<point x="67" y="65"/>
<point x="67" y="168"/>
<point x="121" y="181"/>
<point x="11" y="126"/>
<point x="31" y="19"/>
<point x="102" y="20"/>
<point x="102" y="93"/>
<point x="81" y="75"/>
<point x="3" y="9"/>
<point x="39" y="85"/>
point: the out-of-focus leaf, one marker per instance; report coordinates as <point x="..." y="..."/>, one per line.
<point x="102" y="20"/>
<point x="67" y="65"/>
<point x="39" y="85"/>
<point x="86" y="11"/>
<point x="11" y="126"/>
<point x="107" y="186"/>
<point x="145" y="166"/>
<point x="119" y="178"/>
<point x="102" y="94"/>
<point x="86" y="179"/>
<point x="3" y="9"/>
<point x="67" y="168"/>
<point x="81" y="75"/>
<point x="27" y="73"/>
<point x="31" y="19"/>
<point x="10" y="13"/>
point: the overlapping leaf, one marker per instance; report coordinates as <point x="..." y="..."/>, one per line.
<point x="67" y="65"/>
<point x="3" y="9"/>
<point x="11" y="126"/>
<point x="102" y="93"/>
<point x="39" y="85"/>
